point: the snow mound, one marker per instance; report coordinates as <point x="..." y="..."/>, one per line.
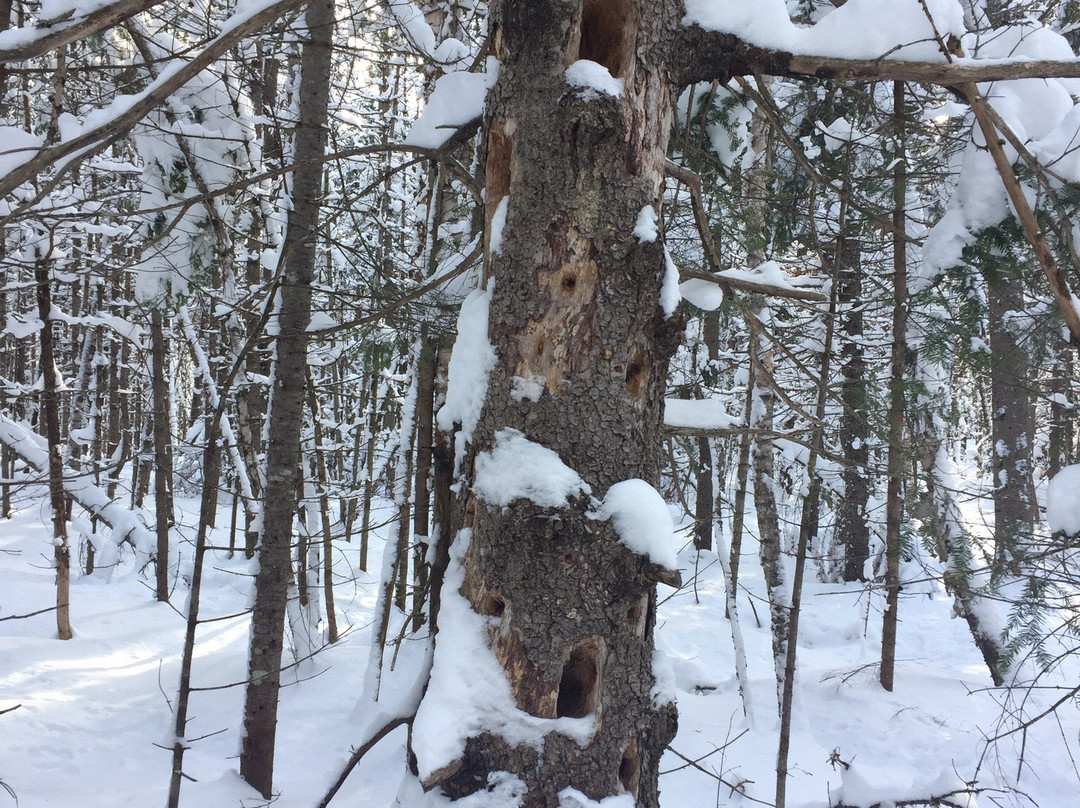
<point x="642" y="520"/>
<point x="518" y="468"/>
<point x="592" y="80"/>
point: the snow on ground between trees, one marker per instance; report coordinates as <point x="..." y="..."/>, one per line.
<point x="113" y="681"/>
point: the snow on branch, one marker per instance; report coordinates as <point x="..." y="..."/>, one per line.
<point x="725" y="38"/>
<point x="125" y="523"/>
<point x="448" y="54"/>
<point x="105" y="125"/>
<point x="20" y="44"/>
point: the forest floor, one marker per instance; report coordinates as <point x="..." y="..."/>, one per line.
<point x="94" y="712"/>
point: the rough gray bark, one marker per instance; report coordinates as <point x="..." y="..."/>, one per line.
<point x="50" y="418"/>
<point x="575" y="306"/>
<point x="852" y="530"/>
<point x="286" y="412"/>
<point x="1013" y="418"/>
<point x="162" y="454"/>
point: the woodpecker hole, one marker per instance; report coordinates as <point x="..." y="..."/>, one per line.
<point x="637" y="372"/>
<point x="579" y="688"/>
<point x="630" y="769"/>
<point x="493" y="605"/>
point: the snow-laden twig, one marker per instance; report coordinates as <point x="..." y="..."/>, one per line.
<point x="202" y="367"/>
<point x="126" y="524"/>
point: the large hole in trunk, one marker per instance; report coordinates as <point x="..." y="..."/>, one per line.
<point x="579" y="688"/>
<point x="607" y="33"/>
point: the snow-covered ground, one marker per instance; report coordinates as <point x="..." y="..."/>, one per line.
<point x="93" y="712"/>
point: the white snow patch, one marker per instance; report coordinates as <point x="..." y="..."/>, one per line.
<point x="853" y="31"/>
<point x="703" y="294"/>
<point x="470" y="363"/>
<point x="522" y="389"/>
<point x="518" y="468"/>
<point x="498" y="223"/>
<point x="457" y="99"/>
<point x="18" y="147"/>
<point x="670" y="294"/>
<point x="645" y="226"/>
<point x="22" y="326"/>
<point x="664" y="683"/>
<point x="572" y="798"/>
<point x="1063" y="501"/>
<point x="769" y="273"/>
<point x="468" y="693"/>
<point x="704" y="414"/>
<point x="642" y="520"/>
<point x="592" y="79"/>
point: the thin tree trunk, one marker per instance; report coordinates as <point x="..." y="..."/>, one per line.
<point x="369" y="475"/>
<point x="853" y="532"/>
<point x="1013" y="422"/>
<point x="286" y="411"/>
<point x="324" y="513"/>
<point x="162" y="455"/>
<point x="425" y="438"/>
<point x="894" y="506"/>
<point x="768" y="517"/>
<point x="50" y="417"/>
<point x="211" y="459"/>
<point x="738" y="514"/>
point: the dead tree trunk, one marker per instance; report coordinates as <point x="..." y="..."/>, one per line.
<point x="582" y="337"/>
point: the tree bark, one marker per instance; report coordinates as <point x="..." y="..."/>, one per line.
<point x="852" y="530"/>
<point x="162" y="455"/>
<point x="425" y="442"/>
<point x="287" y="407"/>
<point x="582" y="347"/>
<point x="50" y="418"/>
<point x="1013" y="417"/>
<point x="894" y="505"/>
